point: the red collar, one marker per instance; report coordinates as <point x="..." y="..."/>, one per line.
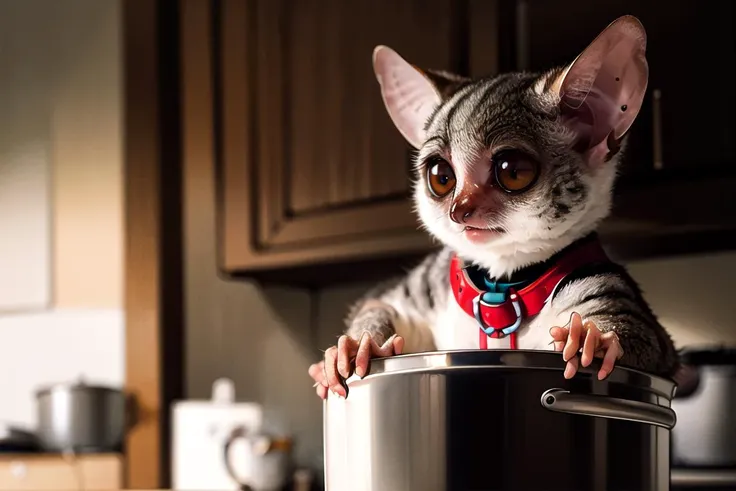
<point x="500" y="320"/>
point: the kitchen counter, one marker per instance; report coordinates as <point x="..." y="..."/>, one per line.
<point x="40" y="471"/>
<point x="681" y="480"/>
<point x="684" y="480"/>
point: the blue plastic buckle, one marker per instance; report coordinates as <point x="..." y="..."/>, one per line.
<point x="489" y="329"/>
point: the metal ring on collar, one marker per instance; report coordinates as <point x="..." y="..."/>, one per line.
<point x="505" y="330"/>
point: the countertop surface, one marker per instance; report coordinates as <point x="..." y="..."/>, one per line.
<point x="689" y="479"/>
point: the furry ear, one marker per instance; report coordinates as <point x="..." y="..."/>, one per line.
<point x="446" y="83"/>
<point x="602" y="91"/>
<point x="409" y="95"/>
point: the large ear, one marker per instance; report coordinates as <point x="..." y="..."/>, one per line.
<point x="602" y="91"/>
<point x="409" y="96"/>
<point x="446" y="83"/>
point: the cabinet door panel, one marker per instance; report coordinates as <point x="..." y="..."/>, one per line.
<point x="343" y="151"/>
<point x="311" y="167"/>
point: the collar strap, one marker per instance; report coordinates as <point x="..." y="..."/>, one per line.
<point x="502" y="319"/>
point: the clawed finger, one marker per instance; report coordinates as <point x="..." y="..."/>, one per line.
<point x="321" y="391"/>
<point x="591" y="344"/>
<point x="572" y="346"/>
<point x="590" y="341"/>
<point x="369" y="348"/>
<point x="613" y="350"/>
<point x="363" y="355"/>
<point x="572" y="367"/>
<point x="317" y="372"/>
<point x="398" y="345"/>
<point x="348" y="353"/>
<point x="334" y="382"/>
<point x="386" y="349"/>
<point x="559" y="337"/>
<point x="346" y="349"/>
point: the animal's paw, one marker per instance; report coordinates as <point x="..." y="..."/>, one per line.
<point x="582" y="336"/>
<point x="348" y="356"/>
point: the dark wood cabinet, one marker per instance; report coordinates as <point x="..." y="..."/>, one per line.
<point x="674" y="192"/>
<point x="312" y="170"/>
<point x="688" y="119"/>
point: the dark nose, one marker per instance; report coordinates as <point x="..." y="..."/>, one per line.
<point x="462" y="209"/>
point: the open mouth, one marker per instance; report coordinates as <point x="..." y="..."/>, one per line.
<point x="475" y="234"/>
<point x="497" y="230"/>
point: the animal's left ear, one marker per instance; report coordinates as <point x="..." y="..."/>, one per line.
<point x="446" y="83"/>
<point x="602" y="91"/>
<point x="409" y="95"/>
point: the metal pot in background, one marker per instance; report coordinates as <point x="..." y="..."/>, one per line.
<point x="497" y="419"/>
<point x="16" y="440"/>
<point x="81" y="418"/>
<point x="705" y="404"/>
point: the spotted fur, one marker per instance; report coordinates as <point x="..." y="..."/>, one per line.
<point x="466" y="122"/>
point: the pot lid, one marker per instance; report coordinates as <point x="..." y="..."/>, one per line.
<point x="708" y="355"/>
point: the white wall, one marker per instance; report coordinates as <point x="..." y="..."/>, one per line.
<point x="693" y="296"/>
<point x="58" y="346"/>
<point x="78" y="43"/>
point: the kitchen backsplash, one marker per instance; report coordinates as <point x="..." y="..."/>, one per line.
<point x="692" y="296"/>
<point x="56" y="346"/>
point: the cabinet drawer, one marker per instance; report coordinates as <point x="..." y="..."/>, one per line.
<point x="38" y="473"/>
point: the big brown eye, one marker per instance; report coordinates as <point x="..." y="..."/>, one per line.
<point x="514" y="171"/>
<point x="440" y="178"/>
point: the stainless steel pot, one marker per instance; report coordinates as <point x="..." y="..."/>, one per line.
<point x="497" y="420"/>
<point x="81" y="418"/>
<point x="705" y="404"/>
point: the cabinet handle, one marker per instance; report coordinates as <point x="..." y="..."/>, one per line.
<point x="657" y="128"/>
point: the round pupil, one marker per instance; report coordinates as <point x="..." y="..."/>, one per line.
<point x="440" y="179"/>
<point x="515" y="172"/>
<point x="511" y="169"/>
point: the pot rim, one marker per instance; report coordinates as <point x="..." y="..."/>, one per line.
<point x="76" y="386"/>
<point x="504" y="359"/>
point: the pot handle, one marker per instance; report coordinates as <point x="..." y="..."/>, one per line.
<point x="132" y="412"/>
<point x="236" y="434"/>
<point x="562" y="401"/>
